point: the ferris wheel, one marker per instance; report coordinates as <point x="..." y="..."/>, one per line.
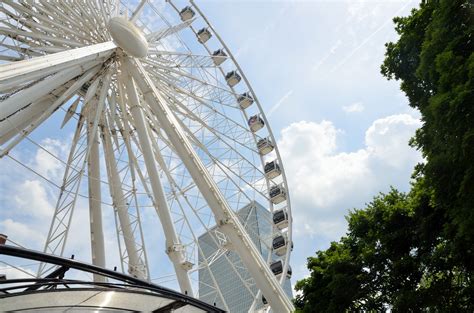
<point x="164" y="121"/>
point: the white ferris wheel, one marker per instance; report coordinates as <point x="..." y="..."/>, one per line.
<point x="164" y="121"/>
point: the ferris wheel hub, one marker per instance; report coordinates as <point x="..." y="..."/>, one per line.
<point x="128" y="37"/>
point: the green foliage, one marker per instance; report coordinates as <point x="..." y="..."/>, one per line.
<point x="434" y="59"/>
<point x="415" y="252"/>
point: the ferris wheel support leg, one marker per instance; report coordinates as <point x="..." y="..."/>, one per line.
<point x="15" y="73"/>
<point x="225" y="218"/>
<point x="95" y="212"/>
<point x="118" y="198"/>
<point x="33" y="123"/>
<point x="174" y="248"/>
<point x="23" y="98"/>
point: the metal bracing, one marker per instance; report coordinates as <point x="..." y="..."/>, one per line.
<point x="67" y="197"/>
<point x="95" y="209"/>
<point x="65" y="205"/>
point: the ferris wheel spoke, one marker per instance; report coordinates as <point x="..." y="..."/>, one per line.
<point x="181" y="60"/>
<point x="16" y="123"/>
<point x="154" y="37"/>
<point x="92" y="19"/>
<point x="39" y="37"/>
<point x="77" y="14"/>
<point x="224" y="138"/>
<point x="184" y="76"/>
<point x="198" y="96"/>
<point x="242" y="138"/>
<point x="227" y="168"/>
<point x="41" y="15"/>
<point x="65" y="22"/>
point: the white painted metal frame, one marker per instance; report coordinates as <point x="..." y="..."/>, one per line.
<point x="180" y="138"/>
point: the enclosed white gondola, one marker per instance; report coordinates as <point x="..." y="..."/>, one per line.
<point x="256" y="123"/>
<point x="219" y="56"/>
<point x="277" y="194"/>
<point x="280" y="219"/>
<point x="232" y="78"/>
<point x="272" y="169"/>
<point x="265" y="146"/>
<point x="187" y="13"/>
<point x="204" y="34"/>
<point x="245" y="100"/>
<point x="280" y="244"/>
<point x="277" y="269"/>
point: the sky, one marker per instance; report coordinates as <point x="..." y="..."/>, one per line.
<point x="341" y="127"/>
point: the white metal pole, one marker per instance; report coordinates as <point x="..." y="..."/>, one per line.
<point x="23" y="98"/>
<point x="95" y="212"/>
<point x="118" y="198"/>
<point x="174" y="247"/>
<point x="15" y="73"/>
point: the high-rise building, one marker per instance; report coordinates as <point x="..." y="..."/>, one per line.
<point x="226" y="268"/>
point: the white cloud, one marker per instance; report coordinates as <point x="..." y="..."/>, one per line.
<point x="16" y="272"/>
<point x="46" y="160"/>
<point x="354" y="107"/>
<point x="31" y="199"/>
<point x="22" y="233"/>
<point x="325" y="183"/>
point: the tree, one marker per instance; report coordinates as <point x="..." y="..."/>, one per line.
<point x="390" y="258"/>
<point x="415" y="252"/>
<point x="434" y="60"/>
<point x="375" y="265"/>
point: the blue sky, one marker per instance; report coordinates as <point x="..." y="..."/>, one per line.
<point x="342" y="128"/>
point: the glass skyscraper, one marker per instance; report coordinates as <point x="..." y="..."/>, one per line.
<point x="235" y="283"/>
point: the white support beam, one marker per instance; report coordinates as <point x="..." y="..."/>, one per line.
<point x="20" y="100"/>
<point x="135" y="267"/>
<point x="174" y="248"/>
<point x="95" y="209"/>
<point x="226" y="219"/>
<point x="15" y="73"/>
<point x="22" y="132"/>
